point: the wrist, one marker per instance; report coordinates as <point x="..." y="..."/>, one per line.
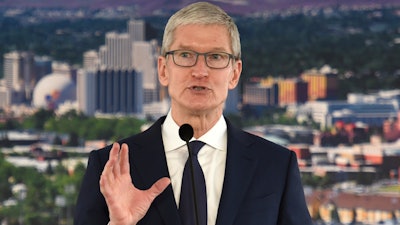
<point x="109" y="223"/>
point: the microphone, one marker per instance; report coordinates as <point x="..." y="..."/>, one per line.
<point x="186" y="133"/>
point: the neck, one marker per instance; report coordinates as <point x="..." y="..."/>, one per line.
<point x="201" y="122"/>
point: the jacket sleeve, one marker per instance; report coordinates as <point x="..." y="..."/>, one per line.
<point x="293" y="209"/>
<point x="91" y="208"/>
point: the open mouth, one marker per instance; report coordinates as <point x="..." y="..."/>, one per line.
<point x="198" y="88"/>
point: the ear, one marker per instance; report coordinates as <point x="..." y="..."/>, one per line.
<point x="237" y="70"/>
<point x="162" y="75"/>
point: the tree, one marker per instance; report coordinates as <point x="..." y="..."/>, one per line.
<point x="38" y="119"/>
<point x="6" y="177"/>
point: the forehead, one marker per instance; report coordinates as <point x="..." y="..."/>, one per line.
<point x="202" y="37"/>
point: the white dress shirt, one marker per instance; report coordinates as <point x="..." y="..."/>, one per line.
<point x="212" y="158"/>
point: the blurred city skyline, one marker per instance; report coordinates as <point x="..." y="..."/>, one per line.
<point x="352" y="155"/>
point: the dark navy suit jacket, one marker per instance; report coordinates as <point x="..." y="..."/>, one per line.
<point x="262" y="183"/>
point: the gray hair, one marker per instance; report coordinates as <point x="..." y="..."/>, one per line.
<point x="203" y="13"/>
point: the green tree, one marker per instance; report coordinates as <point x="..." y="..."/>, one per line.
<point x="316" y="181"/>
<point x="38" y="119"/>
<point x="126" y="127"/>
<point x="6" y="177"/>
<point x="10" y="124"/>
<point x="38" y="207"/>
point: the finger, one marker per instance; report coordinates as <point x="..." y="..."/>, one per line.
<point x="158" y="187"/>
<point x="124" y="159"/>
<point x="104" y="185"/>
<point x="107" y="176"/>
<point x="113" y="156"/>
<point x="117" y="165"/>
<point x="114" y="153"/>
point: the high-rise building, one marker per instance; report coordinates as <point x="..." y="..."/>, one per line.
<point x="19" y="74"/>
<point x="121" y="52"/>
<point x="292" y="91"/>
<point x="322" y="84"/>
<point x="5" y="97"/>
<point x="260" y="95"/>
<point x="85" y="90"/>
<point x="13" y="70"/>
<point x="117" y="52"/>
<point x="118" y="49"/>
<point x="136" y="30"/>
<point x="91" y="59"/>
<point x="110" y="91"/>
<point x="145" y="61"/>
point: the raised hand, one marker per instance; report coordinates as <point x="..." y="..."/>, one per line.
<point x="127" y="205"/>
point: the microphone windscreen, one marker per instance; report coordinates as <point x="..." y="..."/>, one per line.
<point x="186" y="132"/>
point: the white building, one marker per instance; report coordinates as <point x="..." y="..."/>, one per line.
<point x="19" y="77"/>
<point x="117" y="52"/>
<point x="136" y="30"/>
<point x="371" y="109"/>
<point x="145" y="55"/>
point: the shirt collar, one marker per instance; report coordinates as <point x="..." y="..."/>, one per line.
<point x="216" y="137"/>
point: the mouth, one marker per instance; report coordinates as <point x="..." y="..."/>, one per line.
<point x="198" y="88"/>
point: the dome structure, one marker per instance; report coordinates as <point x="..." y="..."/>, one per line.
<point x="53" y="90"/>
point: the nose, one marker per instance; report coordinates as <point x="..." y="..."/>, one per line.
<point x="200" y="69"/>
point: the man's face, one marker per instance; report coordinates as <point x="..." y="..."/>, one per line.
<point x="199" y="88"/>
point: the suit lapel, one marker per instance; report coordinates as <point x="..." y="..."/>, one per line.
<point x="149" y="165"/>
<point x="240" y="166"/>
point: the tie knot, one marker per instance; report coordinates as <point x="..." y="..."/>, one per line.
<point x="195" y="146"/>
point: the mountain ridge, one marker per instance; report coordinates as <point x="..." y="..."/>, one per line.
<point x="240" y="7"/>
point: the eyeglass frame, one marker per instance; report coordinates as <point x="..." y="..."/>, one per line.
<point x="231" y="56"/>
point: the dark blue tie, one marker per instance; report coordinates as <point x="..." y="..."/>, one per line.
<point x="187" y="206"/>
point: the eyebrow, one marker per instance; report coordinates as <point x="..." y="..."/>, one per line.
<point x="217" y="49"/>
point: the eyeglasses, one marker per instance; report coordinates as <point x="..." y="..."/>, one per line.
<point x="188" y="58"/>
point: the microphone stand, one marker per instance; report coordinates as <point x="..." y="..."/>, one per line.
<point x="186" y="133"/>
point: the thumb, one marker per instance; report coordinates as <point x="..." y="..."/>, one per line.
<point x="158" y="187"/>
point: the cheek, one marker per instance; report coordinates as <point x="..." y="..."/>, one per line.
<point x="175" y="83"/>
<point x="172" y="81"/>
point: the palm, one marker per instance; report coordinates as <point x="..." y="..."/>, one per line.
<point x="126" y="204"/>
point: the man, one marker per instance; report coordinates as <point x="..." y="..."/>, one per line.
<point x="248" y="180"/>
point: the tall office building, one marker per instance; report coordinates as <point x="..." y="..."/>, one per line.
<point x="91" y="59"/>
<point x="110" y="91"/>
<point x="85" y="90"/>
<point x="5" y="97"/>
<point x="322" y="84"/>
<point x="292" y="91"/>
<point x="145" y="61"/>
<point x="260" y="95"/>
<point x="136" y="30"/>
<point x="122" y="52"/>
<point x="19" y="76"/>
<point x="117" y="52"/>
<point x="13" y="70"/>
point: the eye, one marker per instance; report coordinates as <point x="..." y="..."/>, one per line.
<point x="185" y="54"/>
<point x="216" y="56"/>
